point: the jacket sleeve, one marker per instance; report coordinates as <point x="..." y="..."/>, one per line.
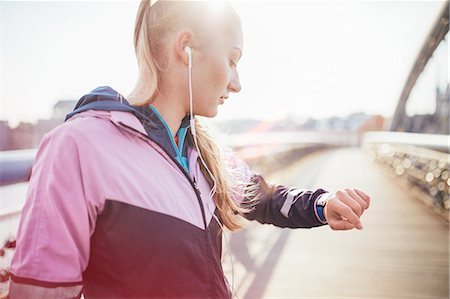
<point x="285" y="207"/>
<point x="55" y="226"/>
<point x="277" y="204"/>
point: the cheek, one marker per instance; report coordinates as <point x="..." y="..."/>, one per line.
<point x="220" y="75"/>
<point x="214" y="84"/>
<point x="211" y="79"/>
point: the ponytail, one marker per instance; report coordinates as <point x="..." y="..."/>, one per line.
<point x="232" y="183"/>
<point x="148" y="71"/>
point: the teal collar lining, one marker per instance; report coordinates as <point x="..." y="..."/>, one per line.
<point x="181" y="134"/>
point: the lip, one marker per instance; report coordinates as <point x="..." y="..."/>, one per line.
<point x="222" y="99"/>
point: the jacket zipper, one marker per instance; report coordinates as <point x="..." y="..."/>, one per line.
<point x="208" y="243"/>
<point x="199" y="199"/>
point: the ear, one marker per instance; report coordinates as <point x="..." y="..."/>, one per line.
<point x="183" y="39"/>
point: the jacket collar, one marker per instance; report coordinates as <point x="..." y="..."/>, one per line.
<point x="144" y="119"/>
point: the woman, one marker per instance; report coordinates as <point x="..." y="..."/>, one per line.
<point x="128" y="197"/>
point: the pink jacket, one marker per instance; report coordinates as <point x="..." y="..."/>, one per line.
<point x="108" y="209"/>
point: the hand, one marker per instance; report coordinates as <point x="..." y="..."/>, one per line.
<point x="345" y="207"/>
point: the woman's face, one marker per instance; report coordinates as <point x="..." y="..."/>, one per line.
<point x="214" y="70"/>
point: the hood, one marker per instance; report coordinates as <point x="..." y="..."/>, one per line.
<point x="102" y="98"/>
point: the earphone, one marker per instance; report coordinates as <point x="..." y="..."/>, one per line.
<point x="188" y="52"/>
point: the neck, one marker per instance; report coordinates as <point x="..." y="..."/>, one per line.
<point x="171" y="112"/>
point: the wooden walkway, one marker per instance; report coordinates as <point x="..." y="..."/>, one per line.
<point x="402" y="252"/>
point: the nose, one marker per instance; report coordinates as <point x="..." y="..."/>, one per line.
<point x="235" y="84"/>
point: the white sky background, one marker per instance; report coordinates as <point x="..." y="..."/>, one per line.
<point x="308" y="59"/>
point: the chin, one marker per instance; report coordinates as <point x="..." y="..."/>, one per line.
<point x="210" y="113"/>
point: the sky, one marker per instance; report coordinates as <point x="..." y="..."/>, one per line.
<point x="301" y="59"/>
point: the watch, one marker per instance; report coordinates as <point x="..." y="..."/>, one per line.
<point x="320" y="206"/>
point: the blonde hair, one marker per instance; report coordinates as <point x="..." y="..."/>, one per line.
<point x="153" y="22"/>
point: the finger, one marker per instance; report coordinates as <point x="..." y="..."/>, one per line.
<point x="349" y="201"/>
<point x="358" y="199"/>
<point x="364" y="196"/>
<point x="341" y="225"/>
<point x="346" y="212"/>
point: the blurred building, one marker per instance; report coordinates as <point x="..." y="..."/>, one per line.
<point x="435" y="123"/>
<point x="356" y="122"/>
<point x="351" y="122"/>
<point x="28" y="135"/>
<point x="61" y="108"/>
<point x="5" y="136"/>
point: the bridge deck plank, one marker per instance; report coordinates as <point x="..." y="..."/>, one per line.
<point x="402" y="252"/>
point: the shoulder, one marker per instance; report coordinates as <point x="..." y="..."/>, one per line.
<point x="85" y="127"/>
<point x="88" y="133"/>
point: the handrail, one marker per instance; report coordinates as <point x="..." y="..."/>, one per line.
<point x="6" y="213"/>
<point x="15" y="166"/>
<point x="438" y="142"/>
<point x="344" y="138"/>
<point x="419" y="161"/>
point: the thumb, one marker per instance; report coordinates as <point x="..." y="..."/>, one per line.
<point x="340" y="224"/>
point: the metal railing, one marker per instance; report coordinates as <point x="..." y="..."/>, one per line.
<point x="15" y="166"/>
<point x="420" y="161"/>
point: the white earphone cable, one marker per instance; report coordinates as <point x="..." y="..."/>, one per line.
<point x="213" y="189"/>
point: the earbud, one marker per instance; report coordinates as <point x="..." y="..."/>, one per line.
<point x="188" y="51"/>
